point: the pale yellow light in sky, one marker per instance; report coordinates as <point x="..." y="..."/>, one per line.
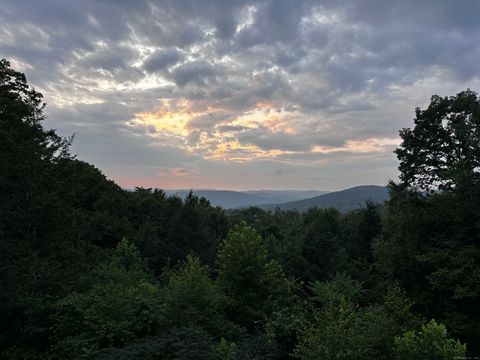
<point x="360" y="146"/>
<point x="175" y="115"/>
<point x="235" y="151"/>
<point x="166" y="121"/>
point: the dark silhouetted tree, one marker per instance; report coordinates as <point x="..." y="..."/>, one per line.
<point x="442" y="151"/>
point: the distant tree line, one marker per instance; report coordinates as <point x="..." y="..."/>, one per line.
<point x="89" y="270"/>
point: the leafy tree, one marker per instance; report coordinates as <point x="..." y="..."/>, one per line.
<point x="281" y="232"/>
<point x="179" y="343"/>
<point x="53" y="209"/>
<point x="341" y="287"/>
<point x="225" y="350"/>
<point x="192" y="313"/>
<point x="198" y="228"/>
<point x="120" y="305"/>
<point x="262" y="221"/>
<point x="341" y="329"/>
<point x="283" y="328"/>
<point x="320" y="243"/>
<point x="168" y="229"/>
<point x="360" y="228"/>
<point x="434" y="237"/>
<point x="96" y="208"/>
<point x="442" y="151"/>
<point x="192" y="297"/>
<point x="429" y="343"/>
<point x="28" y="154"/>
<point x="149" y="212"/>
<point x="30" y="227"/>
<point x="253" y="284"/>
<point x="432" y="218"/>
<point x="338" y="331"/>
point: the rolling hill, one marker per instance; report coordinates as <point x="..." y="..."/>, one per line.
<point x="343" y="200"/>
<point x="237" y="199"/>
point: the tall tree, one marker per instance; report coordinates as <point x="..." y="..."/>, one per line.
<point x="442" y="151"/>
<point x="321" y="237"/>
<point x="433" y="215"/>
<point x="253" y="283"/>
<point x="28" y="152"/>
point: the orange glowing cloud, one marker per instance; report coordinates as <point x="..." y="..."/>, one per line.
<point x="175" y="118"/>
<point x="235" y="151"/>
<point x="172" y="118"/>
<point x="220" y="141"/>
<point x="266" y="115"/>
<point x="165" y="121"/>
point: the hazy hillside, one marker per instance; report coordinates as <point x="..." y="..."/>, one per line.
<point x="236" y="199"/>
<point x="280" y="196"/>
<point x="343" y="200"/>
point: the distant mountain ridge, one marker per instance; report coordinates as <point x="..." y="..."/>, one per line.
<point x="301" y="200"/>
<point x="344" y="200"/>
<point x="237" y="199"/>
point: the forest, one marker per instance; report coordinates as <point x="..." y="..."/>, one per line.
<point x="89" y="270"/>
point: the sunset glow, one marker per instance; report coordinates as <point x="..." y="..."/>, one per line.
<point x="239" y="94"/>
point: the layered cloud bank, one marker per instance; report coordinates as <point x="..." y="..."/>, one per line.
<point x="241" y="94"/>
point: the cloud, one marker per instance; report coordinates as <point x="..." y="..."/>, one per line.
<point x="178" y="172"/>
<point x="241" y="87"/>
<point x="160" y="59"/>
<point x="198" y="72"/>
<point x="279" y="172"/>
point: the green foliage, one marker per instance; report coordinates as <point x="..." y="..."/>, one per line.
<point x="429" y="343"/>
<point x="320" y="239"/>
<point x="341" y="329"/>
<point x="360" y="228"/>
<point x="333" y="335"/>
<point x="126" y="256"/>
<point x="72" y="286"/>
<point x="341" y="287"/>
<point x="442" y="151"/>
<point x="179" y="343"/>
<point x="283" y="328"/>
<point x="435" y="235"/>
<point x="167" y="228"/>
<point x="121" y="304"/>
<point x="435" y="232"/>
<point x="225" y="350"/>
<point x="253" y="283"/>
<point x="398" y="307"/>
<point x="39" y="259"/>
<point x="192" y="297"/>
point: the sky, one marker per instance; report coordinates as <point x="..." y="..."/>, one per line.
<point x="231" y="94"/>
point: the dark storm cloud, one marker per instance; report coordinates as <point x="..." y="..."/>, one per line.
<point x="332" y="71"/>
